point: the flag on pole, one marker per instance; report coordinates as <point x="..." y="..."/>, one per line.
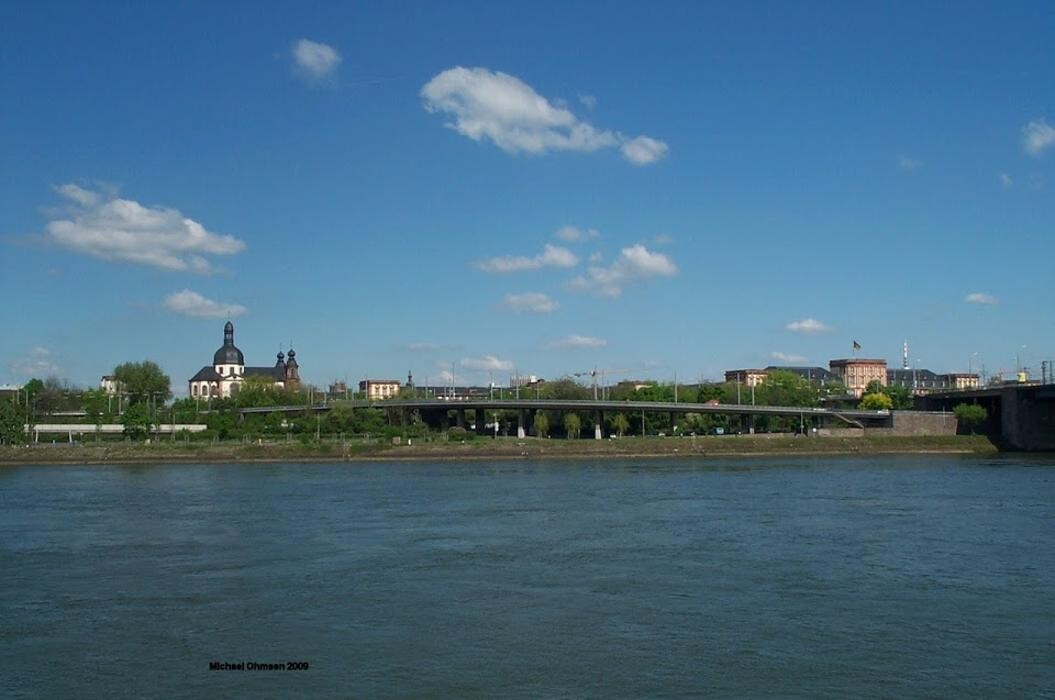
<point x="857" y="346"/>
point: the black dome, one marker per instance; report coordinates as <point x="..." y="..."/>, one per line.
<point x="228" y="354"/>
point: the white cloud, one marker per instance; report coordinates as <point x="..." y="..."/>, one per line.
<point x="486" y="363"/>
<point x="588" y="101"/>
<point x="634" y="263"/>
<point x="39" y="362"/>
<point x="786" y="357"/>
<point x="490" y="105"/>
<point x="86" y="198"/>
<point x="126" y="231"/>
<point x="551" y="256"/>
<point x="596" y="257"/>
<point x="906" y="163"/>
<point x="579" y="341"/>
<point x="530" y="302"/>
<point x="1037" y="137"/>
<point x="808" y="325"/>
<point x="981" y="298"/>
<point x="663" y="239"/>
<point x="644" y="150"/>
<point x="1006" y="181"/>
<point x="574" y="234"/>
<point x="315" y="60"/>
<point x="446" y="375"/>
<point x="188" y="303"/>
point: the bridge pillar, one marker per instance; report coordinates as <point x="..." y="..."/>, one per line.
<point x="673" y="423"/>
<point x="598" y="423"/>
<point x="459" y="416"/>
<point x="445" y="422"/>
<point x="747" y="423"/>
<point x="521" y="423"/>
<point x="481" y="422"/>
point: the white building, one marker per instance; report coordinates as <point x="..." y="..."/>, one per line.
<point x="108" y="383"/>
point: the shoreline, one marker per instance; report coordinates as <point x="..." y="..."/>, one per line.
<point x="528" y="449"/>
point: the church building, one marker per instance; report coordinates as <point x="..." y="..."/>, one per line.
<point x="225" y="375"/>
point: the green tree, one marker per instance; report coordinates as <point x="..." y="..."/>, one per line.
<point x="339" y="418"/>
<point x="562" y="389"/>
<point x="12" y="423"/>
<point x="876" y="402"/>
<point x="541" y="424"/>
<point x="572" y="425"/>
<point x="33" y="387"/>
<point x="275" y="423"/>
<point x="970" y="415"/>
<point x="94" y="404"/>
<point x="782" y="388"/>
<point x="136" y="420"/>
<point x="368" y="421"/>
<point x="142" y="381"/>
<point x="256" y="391"/>
<point x="185" y="411"/>
<point x="620" y="424"/>
<point x="709" y="392"/>
<point x="901" y="396"/>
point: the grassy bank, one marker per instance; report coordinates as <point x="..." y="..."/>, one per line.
<point x="128" y="453"/>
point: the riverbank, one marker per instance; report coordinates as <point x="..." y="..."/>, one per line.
<point x="502" y="448"/>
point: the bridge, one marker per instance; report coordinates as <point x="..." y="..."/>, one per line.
<point x="437" y="412"/>
<point x="1020" y="416"/>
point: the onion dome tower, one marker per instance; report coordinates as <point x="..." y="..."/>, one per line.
<point x="292" y="368"/>
<point x="229" y="354"/>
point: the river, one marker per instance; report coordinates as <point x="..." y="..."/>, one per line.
<point x="909" y="576"/>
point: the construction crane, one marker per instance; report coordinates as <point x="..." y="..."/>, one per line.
<point x="594" y="373"/>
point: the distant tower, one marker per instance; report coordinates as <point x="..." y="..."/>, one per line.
<point x="410" y="380"/>
<point x="292" y="369"/>
<point x="281" y="363"/>
<point x="904" y="355"/>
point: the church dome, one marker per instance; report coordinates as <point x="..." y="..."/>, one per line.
<point x="228" y="354"/>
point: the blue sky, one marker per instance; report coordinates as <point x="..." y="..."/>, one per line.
<point x="470" y="188"/>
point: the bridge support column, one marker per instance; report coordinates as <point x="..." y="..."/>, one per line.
<point x="460" y="417"/>
<point x="445" y="422"/>
<point x="673" y="423"/>
<point x="521" y="423"/>
<point x="481" y="421"/>
<point x="598" y="423"/>
<point x="747" y="423"/>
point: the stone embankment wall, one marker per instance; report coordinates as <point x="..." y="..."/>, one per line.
<point x="918" y="423"/>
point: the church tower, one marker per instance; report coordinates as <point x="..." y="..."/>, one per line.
<point x="292" y="370"/>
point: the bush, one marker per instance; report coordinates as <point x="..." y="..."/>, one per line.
<point x="876" y="402"/>
<point x="969" y="416"/>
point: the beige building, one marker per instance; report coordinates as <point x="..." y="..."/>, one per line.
<point x="961" y="381"/>
<point x="746" y="377"/>
<point x="379" y="388"/>
<point x="856" y="373"/>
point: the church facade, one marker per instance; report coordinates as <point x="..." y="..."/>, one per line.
<point x="228" y="371"/>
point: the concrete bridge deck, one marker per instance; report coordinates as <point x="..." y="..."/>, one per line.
<point x="524" y="407"/>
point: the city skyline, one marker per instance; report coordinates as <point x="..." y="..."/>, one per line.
<point x="681" y="191"/>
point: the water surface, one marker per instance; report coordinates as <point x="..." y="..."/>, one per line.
<point x="829" y="577"/>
